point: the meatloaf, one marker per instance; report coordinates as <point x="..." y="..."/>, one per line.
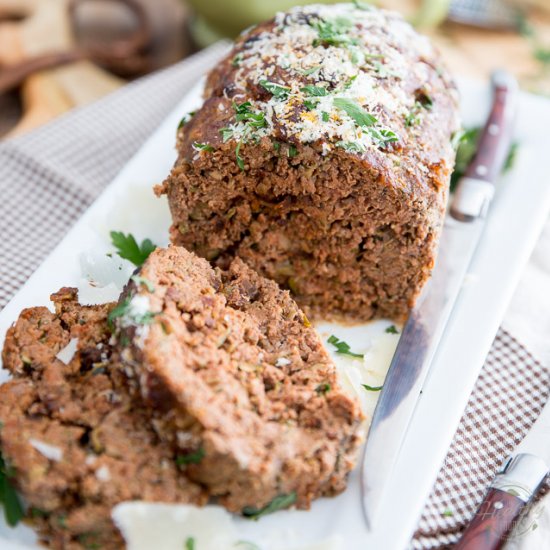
<point x="321" y="157"/>
<point x="237" y="382"/>
<point x="74" y="441"/>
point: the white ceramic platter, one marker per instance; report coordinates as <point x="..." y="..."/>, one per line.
<point x="518" y="212"/>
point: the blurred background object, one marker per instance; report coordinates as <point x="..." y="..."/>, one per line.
<point x="59" y="54"/>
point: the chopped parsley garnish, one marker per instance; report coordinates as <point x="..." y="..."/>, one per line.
<point x="227" y="133"/>
<point x="240" y="161"/>
<point x="244" y="113"/>
<point x="362" y="5"/>
<point x="354" y="111"/>
<point x="392" y="330"/>
<point x="292" y="151"/>
<point x="190" y="543"/>
<point x="190" y="458"/>
<point x="323" y="388"/>
<point x="236" y="61"/>
<point x="128" y="248"/>
<point x="351" y="146"/>
<point x="447" y="513"/>
<point x="316" y="91"/>
<point x="372" y="388"/>
<point x="342" y="347"/>
<point x="124" y="309"/>
<point x="202" y="146"/>
<point x="333" y="32"/>
<point x="467" y="147"/>
<point x="349" y="82"/>
<point x="13" y="510"/>
<point x="276" y="146"/>
<point x="325" y="116"/>
<point x="310" y="104"/>
<point x="143" y="281"/>
<point x="278" y="503"/>
<point x="186" y="118"/>
<point x="277" y="90"/>
<point x="310" y="71"/>
<point x="383" y="136"/>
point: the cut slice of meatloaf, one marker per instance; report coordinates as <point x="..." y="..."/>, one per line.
<point x="237" y="381"/>
<point x="74" y="442"/>
<point x="321" y="157"/>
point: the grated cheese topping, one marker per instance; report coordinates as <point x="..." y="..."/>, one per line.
<point x="330" y="74"/>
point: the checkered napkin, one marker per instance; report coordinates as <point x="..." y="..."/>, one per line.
<point x="49" y="177"/>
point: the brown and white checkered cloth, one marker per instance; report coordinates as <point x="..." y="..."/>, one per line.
<point x="49" y="177"/>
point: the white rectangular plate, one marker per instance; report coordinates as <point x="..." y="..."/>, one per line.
<point x="519" y="210"/>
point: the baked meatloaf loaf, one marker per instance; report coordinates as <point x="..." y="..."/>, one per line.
<point x="74" y="442"/>
<point x="321" y="157"/>
<point x="237" y="382"/>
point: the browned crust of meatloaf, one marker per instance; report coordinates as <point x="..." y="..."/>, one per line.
<point x="109" y="451"/>
<point x="233" y="372"/>
<point x="351" y="235"/>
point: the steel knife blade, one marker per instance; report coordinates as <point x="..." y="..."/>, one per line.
<point x="423" y="330"/>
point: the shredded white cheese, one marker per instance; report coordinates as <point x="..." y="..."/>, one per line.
<point x="67" y="353"/>
<point x="49" y="451"/>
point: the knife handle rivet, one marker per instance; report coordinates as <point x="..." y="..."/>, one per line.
<point x="481" y="170"/>
<point x="498" y="505"/>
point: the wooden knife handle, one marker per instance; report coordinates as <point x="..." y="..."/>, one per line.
<point x="492" y="522"/>
<point x="496" y="135"/>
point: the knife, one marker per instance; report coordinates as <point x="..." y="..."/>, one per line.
<point x="424" y="327"/>
<point x="512" y="489"/>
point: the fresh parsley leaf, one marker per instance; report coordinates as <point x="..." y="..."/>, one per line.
<point x="227" y="134"/>
<point x="310" y="71"/>
<point x="245" y="113"/>
<point x="325" y="116"/>
<point x="292" y="151"/>
<point x="467" y="147"/>
<point x="362" y="5"/>
<point x="143" y="281"/>
<point x="124" y="309"/>
<point x="240" y="161"/>
<point x="310" y="104"/>
<point x="382" y="136"/>
<point x="392" y="330"/>
<point x="342" y="347"/>
<point x="185" y="119"/>
<point x="278" y="503"/>
<point x="190" y="458"/>
<point x="202" y="146"/>
<point x="333" y="32"/>
<point x="323" y="388"/>
<point x="13" y="510"/>
<point x="277" y="90"/>
<point x="236" y="61"/>
<point x="190" y="543"/>
<point x="354" y="111"/>
<point x="351" y="146"/>
<point x="350" y="81"/>
<point x="276" y="146"/>
<point x="447" y="513"/>
<point x="316" y="91"/>
<point x="128" y="248"/>
<point x="372" y="388"/>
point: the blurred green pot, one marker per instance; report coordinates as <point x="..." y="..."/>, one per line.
<point x="215" y="19"/>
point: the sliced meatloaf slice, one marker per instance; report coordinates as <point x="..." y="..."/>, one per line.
<point x="321" y="157"/>
<point x="73" y="439"/>
<point x="237" y="381"/>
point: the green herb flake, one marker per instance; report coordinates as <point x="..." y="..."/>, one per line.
<point x="13" y="510"/>
<point x="240" y="161"/>
<point x="185" y="119"/>
<point x="310" y="71"/>
<point x="292" y="151"/>
<point x="392" y="330"/>
<point x="342" y="347"/>
<point x="276" y="146"/>
<point x="237" y="60"/>
<point x="277" y="90"/>
<point x="447" y="513"/>
<point x="362" y="5"/>
<point x="202" y="146"/>
<point x="245" y="113"/>
<point x="190" y="543"/>
<point x="226" y="133"/>
<point x="354" y="111"/>
<point x="143" y="281"/>
<point x="190" y="458"/>
<point x="321" y="389"/>
<point x="325" y="116"/>
<point x="372" y="388"/>
<point x="128" y="248"/>
<point x="333" y="32"/>
<point x="278" y="503"/>
<point x="310" y="104"/>
<point x="315" y="91"/>
<point x="349" y="82"/>
<point x="123" y="309"/>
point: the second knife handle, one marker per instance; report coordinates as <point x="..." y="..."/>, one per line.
<point x="492" y="522"/>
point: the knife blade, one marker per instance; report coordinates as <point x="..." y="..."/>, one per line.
<point x="512" y="489"/>
<point x="424" y="327"/>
